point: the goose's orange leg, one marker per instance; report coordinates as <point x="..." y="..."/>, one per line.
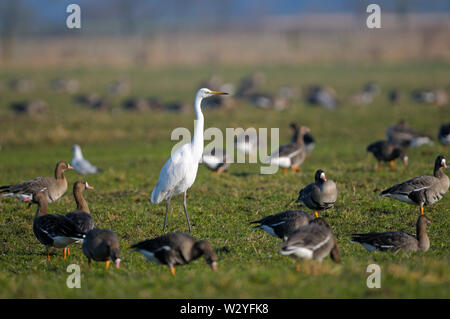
<point x="172" y="270"/>
<point x="285" y="171"/>
<point x="421" y="210"/>
<point x="48" y="254"/>
<point x="392" y="165"/>
<point x="65" y="253"/>
<point x="295" y="168"/>
<point x="107" y="265"/>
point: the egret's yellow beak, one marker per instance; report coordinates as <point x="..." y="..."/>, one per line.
<point x="218" y="93"/>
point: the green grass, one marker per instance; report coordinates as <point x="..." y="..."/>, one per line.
<point x="131" y="148"/>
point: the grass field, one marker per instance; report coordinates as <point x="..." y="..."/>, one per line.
<point x="131" y="148"/>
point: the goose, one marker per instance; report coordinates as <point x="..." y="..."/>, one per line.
<point x="397" y="240"/>
<point x="216" y="159"/>
<point x="405" y="136"/>
<point x="56" y="187"/>
<point x="102" y="245"/>
<point x="444" y="135"/>
<point x="180" y="170"/>
<point x="308" y="139"/>
<point x="322" y="96"/>
<point x="82" y="215"/>
<point x="176" y="249"/>
<point x="387" y="152"/>
<point x="291" y="155"/>
<point x="53" y="230"/>
<point x="313" y="241"/>
<point x="32" y="107"/>
<point x="320" y="195"/>
<point x="281" y="225"/>
<point x="423" y="190"/>
<point x="80" y="164"/>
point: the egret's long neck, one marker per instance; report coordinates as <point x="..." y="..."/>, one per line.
<point x="197" y="141"/>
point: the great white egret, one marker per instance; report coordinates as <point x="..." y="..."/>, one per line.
<point x="179" y="172"/>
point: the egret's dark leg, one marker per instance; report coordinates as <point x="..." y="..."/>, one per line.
<point x="185" y="211"/>
<point x="167" y="213"/>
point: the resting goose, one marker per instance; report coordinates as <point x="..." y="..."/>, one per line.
<point x="444" y="134"/>
<point x="176" y="249"/>
<point x="53" y="230"/>
<point x="102" y="245"/>
<point x="308" y="139"/>
<point x="397" y="240"/>
<point x="403" y="135"/>
<point x="291" y="155"/>
<point x="216" y="159"/>
<point x="423" y="190"/>
<point x="81" y="216"/>
<point x="320" y="195"/>
<point x="80" y="164"/>
<point x="281" y="225"/>
<point x="313" y="241"/>
<point x="387" y="152"/>
<point x="56" y="187"/>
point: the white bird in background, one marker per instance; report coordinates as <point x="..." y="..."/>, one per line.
<point x="179" y="172"/>
<point x="81" y="165"/>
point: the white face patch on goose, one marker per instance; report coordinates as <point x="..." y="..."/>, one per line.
<point x="322" y="176"/>
<point x="443" y="163"/>
<point x="87" y="185"/>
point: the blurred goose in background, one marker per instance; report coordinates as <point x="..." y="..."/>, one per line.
<point x="430" y="96"/>
<point x="397" y="240"/>
<point x="322" y="96"/>
<point x="65" y="85"/>
<point x="250" y="85"/>
<point x="385" y="151"/>
<point x="308" y="139"/>
<point x="81" y="165"/>
<point x="367" y="94"/>
<point x="82" y="215"/>
<point x="313" y="241"/>
<point x="93" y="101"/>
<point x="21" y="85"/>
<point x="423" y="190"/>
<point x="216" y="159"/>
<point x="281" y="225"/>
<point x="444" y="135"/>
<point x="119" y="87"/>
<point x="53" y="230"/>
<point x="176" y="249"/>
<point x="269" y="101"/>
<point x="56" y="187"/>
<point x="291" y="155"/>
<point x="102" y="245"/>
<point x="403" y="135"/>
<point x="33" y="107"/>
<point x="394" y="96"/>
<point x="320" y="195"/>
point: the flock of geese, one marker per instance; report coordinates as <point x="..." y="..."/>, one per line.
<point x="303" y="235"/>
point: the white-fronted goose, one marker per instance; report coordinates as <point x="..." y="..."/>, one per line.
<point x="216" y="159"/>
<point x="322" y="96"/>
<point x="313" y="241"/>
<point x="80" y="164"/>
<point x="397" y="240"/>
<point x="176" y="249"/>
<point x="81" y="216"/>
<point x="444" y="134"/>
<point x="102" y="245"/>
<point x="320" y="195"/>
<point x="385" y="151"/>
<point x="32" y="107"/>
<point x="423" y="190"/>
<point x="56" y="187"/>
<point x="308" y="139"/>
<point x="403" y="135"/>
<point x="291" y="155"/>
<point x="281" y="225"/>
<point x="53" y="230"/>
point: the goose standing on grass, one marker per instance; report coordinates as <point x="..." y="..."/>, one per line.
<point x="444" y="135"/>
<point x="385" y="151"/>
<point x="313" y="241"/>
<point x="320" y="195"/>
<point x="102" y="245"/>
<point x="179" y="172"/>
<point x="403" y="135"/>
<point x="216" y="159"/>
<point x="397" y="240"/>
<point x="291" y="155"/>
<point x="81" y="165"/>
<point x="308" y="139"/>
<point x="82" y="215"/>
<point x="281" y="225"/>
<point x="423" y="190"/>
<point x="53" y="230"/>
<point x="56" y="187"/>
<point x="176" y="249"/>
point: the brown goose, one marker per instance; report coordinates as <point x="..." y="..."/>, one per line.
<point x="53" y="230"/>
<point x="320" y="195"/>
<point x="102" y="245"/>
<point x="81" y="216"/>
<point x="313" y="241"/>
<point x="291" y="155"/>
<point x="423" y="190"/>
<point x="56" y="187"/>
<point x="281" y="225"/>
<point x="397" y="240"/>
<point x="176" y="249"/>
<point x="308" y="139"/>
<point x="403" y="135"/>
<point x="385" y="151"/>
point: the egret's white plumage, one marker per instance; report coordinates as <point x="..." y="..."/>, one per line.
<point x="81" y="165"/>
<point x="179" y="172"/>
